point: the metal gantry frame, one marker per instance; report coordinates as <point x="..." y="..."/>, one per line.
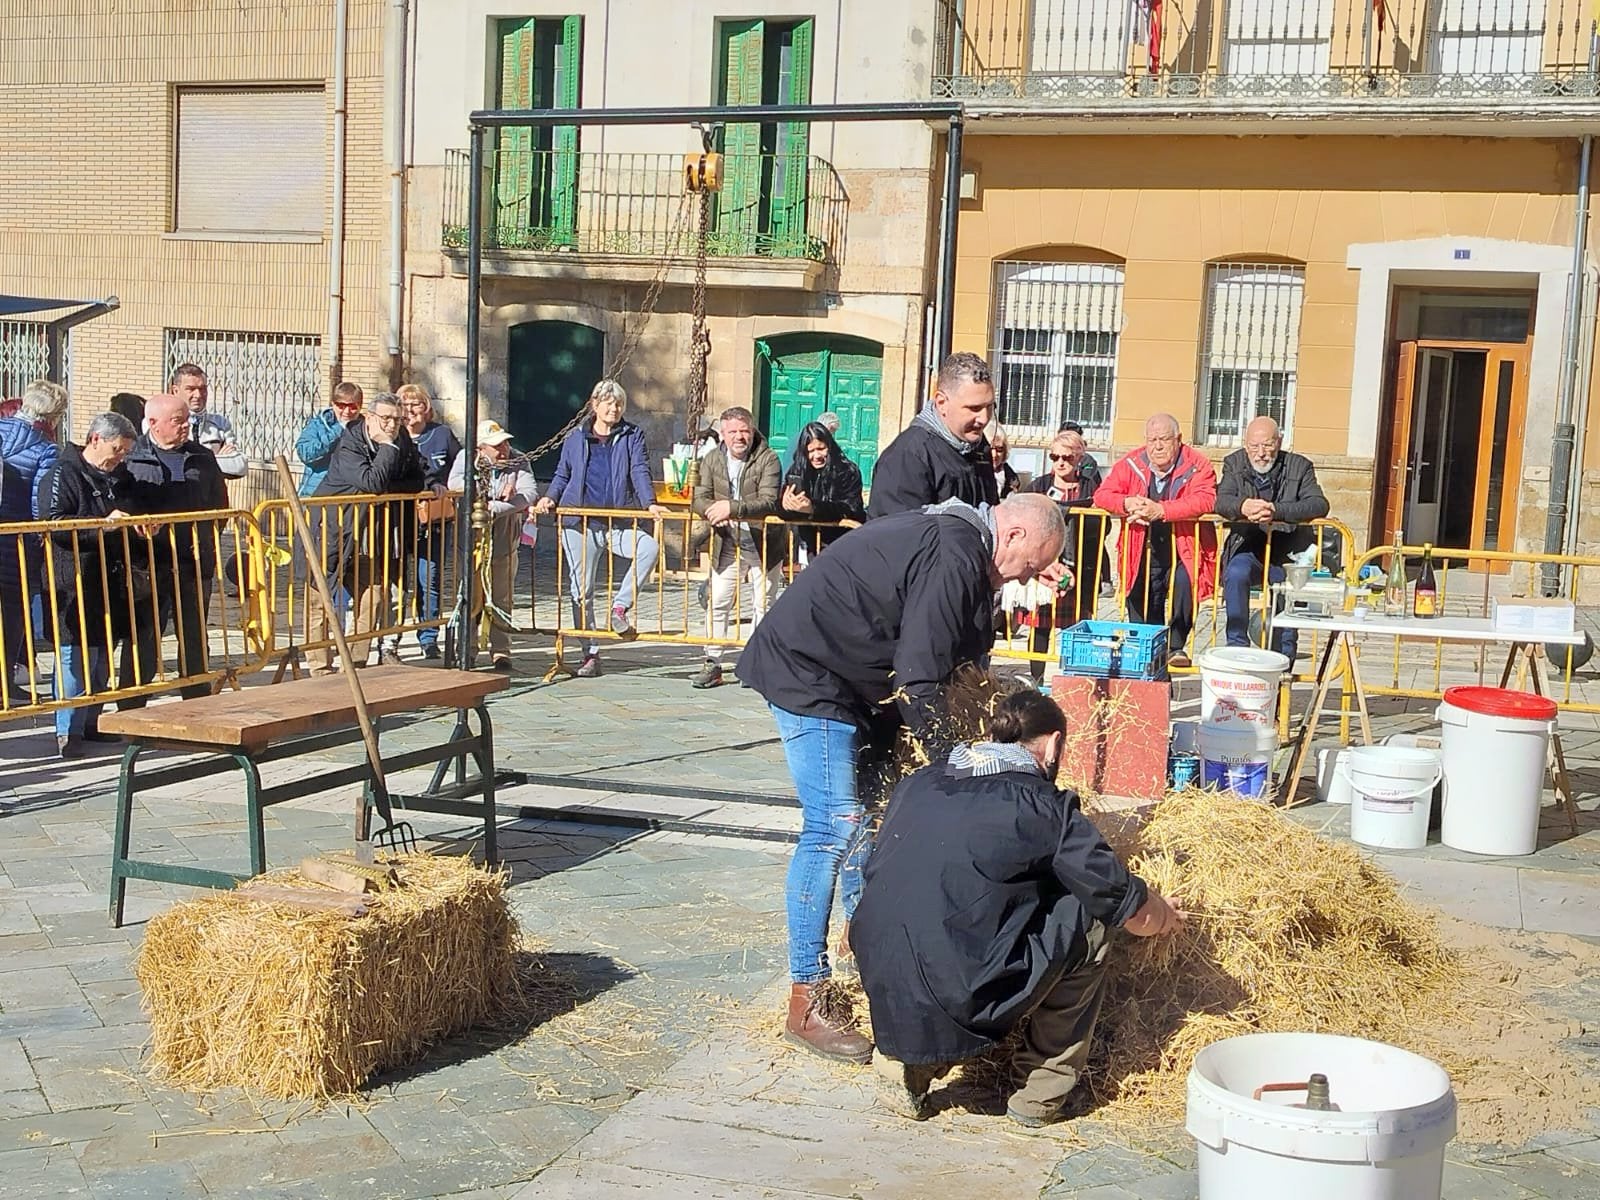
<point x="481" y="123"/>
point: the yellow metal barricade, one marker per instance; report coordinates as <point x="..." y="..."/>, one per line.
<point x="1469" y="583"/>
<point x="659" y="569"/>
<point x="390" y="562"/>
<point x="97" y="611"/>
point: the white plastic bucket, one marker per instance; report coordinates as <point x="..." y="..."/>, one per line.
<point x="1396" y="1115"/>
<point x="1333" y="785"/>
<point x="1239" y="685"/>
<point x="1237" y="758"/>
<point x="1391" y="795"/>
<point x="1496" y="746"/>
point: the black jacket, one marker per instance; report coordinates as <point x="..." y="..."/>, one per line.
<point x="835" y="494"/>
<point x="871" y="631"/>
<point x="979" y="892"/>
<point x="1296" y="496"/>
<point x="919" y="467"/>
<point x="153" y="488"/>
<point x="360" y="466"/>
<point x="72" y="489"/>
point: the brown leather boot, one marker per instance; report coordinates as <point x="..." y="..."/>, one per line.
<point x="813" y="1026"/>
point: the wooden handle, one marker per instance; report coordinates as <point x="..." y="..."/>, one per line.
<point x="336" y="624"/>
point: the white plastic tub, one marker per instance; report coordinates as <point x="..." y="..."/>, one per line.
<point x="1333" y="785"/>
<point x="1239" y="685"/>
<point x="1391" y="795"/>
<point x="1237" y="758"/>
<point x="1496" y="747"/>
<point x="1397" y="1113"/>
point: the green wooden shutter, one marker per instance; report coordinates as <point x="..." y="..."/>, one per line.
<point x="739" y="202"/>
<point x="513" y="160"/>
<point x="794" y="148"/>
<point x="564" y="181"/>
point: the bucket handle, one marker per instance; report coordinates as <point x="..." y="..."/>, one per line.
<point x="1445" y="712"/>
<point x="1344" y="771"/>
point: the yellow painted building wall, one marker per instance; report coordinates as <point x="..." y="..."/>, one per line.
<point x="1167" y="206"/>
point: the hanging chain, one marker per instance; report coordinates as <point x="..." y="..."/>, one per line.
<point x="700" y="337"/>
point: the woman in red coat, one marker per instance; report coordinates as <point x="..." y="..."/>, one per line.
<point x="1164" y="553"/>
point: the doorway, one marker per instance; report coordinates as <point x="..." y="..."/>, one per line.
<point x="1455" y="443"/>
<point x="551" y="367"/>
<point x="799" y="376"/>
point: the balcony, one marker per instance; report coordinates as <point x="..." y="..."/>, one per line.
<point x="779" y="220"/>
<point x="1458" y="56"/>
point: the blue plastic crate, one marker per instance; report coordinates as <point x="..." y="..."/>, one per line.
<point x="1114" y="650"/>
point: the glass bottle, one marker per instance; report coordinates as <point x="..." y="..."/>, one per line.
<point x="1394" y="591"/>
<point x="1425" y="598"/>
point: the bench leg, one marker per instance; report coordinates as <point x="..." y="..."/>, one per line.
<point x="485" y="757"/>
<point x="254" y="814"/>
<point x="122" y="837"/>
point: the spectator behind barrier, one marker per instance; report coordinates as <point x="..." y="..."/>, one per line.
<point x="822" y="484"/>
<point x="314" y="447"/>
<point x="1266" y="490"/>
<point x="510" y="490"/>
<point x="604" y="464"/>
<point x="87" y="484"/>
<point x="169" y="472"/>
<point x="1005" y="478"/>
<point x="1163" y="482"/>
<point x="27" y="451"/>
<point x="212" y="430"/>
<point x="1049" y="609"/>
<point x="439" y="448"/>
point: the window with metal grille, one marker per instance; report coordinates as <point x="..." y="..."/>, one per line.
<point x="267" y="384"/>
<point x="1500" y="37"/>
<point x="250" y="160"/>
<point x="1055" y="346"/>
<point x="24" y="356"/>
<point x="1251" y="348"/>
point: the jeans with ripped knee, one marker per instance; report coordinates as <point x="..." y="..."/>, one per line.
<point x="822" y="755"/>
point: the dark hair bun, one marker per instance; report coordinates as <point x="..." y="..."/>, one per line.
<point x="1024" y="715"/>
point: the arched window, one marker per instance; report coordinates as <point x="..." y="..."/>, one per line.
<point x="1250" y="353"/>
<point x="1056" y="329"/>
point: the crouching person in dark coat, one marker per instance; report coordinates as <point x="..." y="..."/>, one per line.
<point x="989" y="898"/>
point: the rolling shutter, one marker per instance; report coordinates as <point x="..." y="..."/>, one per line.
<point x="251" y="160"/>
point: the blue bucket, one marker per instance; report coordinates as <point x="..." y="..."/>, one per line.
<point x="1183" y="770"/>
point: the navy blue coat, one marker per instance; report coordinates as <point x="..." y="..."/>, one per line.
<point x="980" y="891"/>
<point x="25" y="454"/>
<point x="630" y="469"/>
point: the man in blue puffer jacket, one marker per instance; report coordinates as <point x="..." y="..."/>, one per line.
<point x="25" y="455"/>
<point x="604" y="464"/>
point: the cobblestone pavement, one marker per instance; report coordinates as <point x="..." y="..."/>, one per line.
<point x="655" y="1071"/>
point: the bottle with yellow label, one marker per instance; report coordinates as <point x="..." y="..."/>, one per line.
<point x="1425" y="596"/>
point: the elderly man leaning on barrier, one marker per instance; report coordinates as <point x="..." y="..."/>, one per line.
<point x="26" y="454"/>
<point x="169" y="472"/>
<point x="736" y="488"/>
<point x="511" y="491"/>
<point x="1165" y="552"/>
<point x="866" y="638"/>
<point x="604" y="464"/>
<point x="87" y="484"/>
<point x="943" y="453"/>
<point x="373" y="457"/>
<point x="1270" y="493"/>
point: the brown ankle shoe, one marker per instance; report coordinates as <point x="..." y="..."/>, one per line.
<point x="820" y="1031"/>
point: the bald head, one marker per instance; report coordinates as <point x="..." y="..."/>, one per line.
<point x="1029" y="535"/>
<point x="168" y="417"/>
<point x="1163" y="439"/>
<point x="1262" y="441"/>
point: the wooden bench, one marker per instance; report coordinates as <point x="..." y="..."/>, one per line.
<point x="285" y="720"/>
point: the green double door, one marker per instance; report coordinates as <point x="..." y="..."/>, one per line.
<point x="803" y="375"/>
<point x="551" y="367"/>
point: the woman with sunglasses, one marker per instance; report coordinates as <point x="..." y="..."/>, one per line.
<point x="1065" y="483"/>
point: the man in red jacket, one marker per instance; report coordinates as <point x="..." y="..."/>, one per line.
<point x="1164" y="553"/>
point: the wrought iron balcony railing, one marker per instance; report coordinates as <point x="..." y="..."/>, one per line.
<point x="574" y="201"/>
<point x="1085" y="52"/>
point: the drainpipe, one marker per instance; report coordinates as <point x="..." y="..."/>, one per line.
<point x="944" y="331"/>
<point x="395" y="72"/>
<point x="1562" y="449"/>
<point x="1581" y="424"/>
<point x="333" y="352"/>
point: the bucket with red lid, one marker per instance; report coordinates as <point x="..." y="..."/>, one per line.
<point x="1496" y="750"/>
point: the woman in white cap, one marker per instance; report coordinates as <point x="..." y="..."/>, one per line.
<point x="511" y="491"/>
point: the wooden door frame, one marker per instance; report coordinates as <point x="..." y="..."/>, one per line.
<point x="1404" y="380"/>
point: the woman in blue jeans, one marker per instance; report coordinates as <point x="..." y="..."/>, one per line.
<point x="865" y="639"/>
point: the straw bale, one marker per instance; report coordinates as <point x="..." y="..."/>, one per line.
<point x="298" y="1004"/>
